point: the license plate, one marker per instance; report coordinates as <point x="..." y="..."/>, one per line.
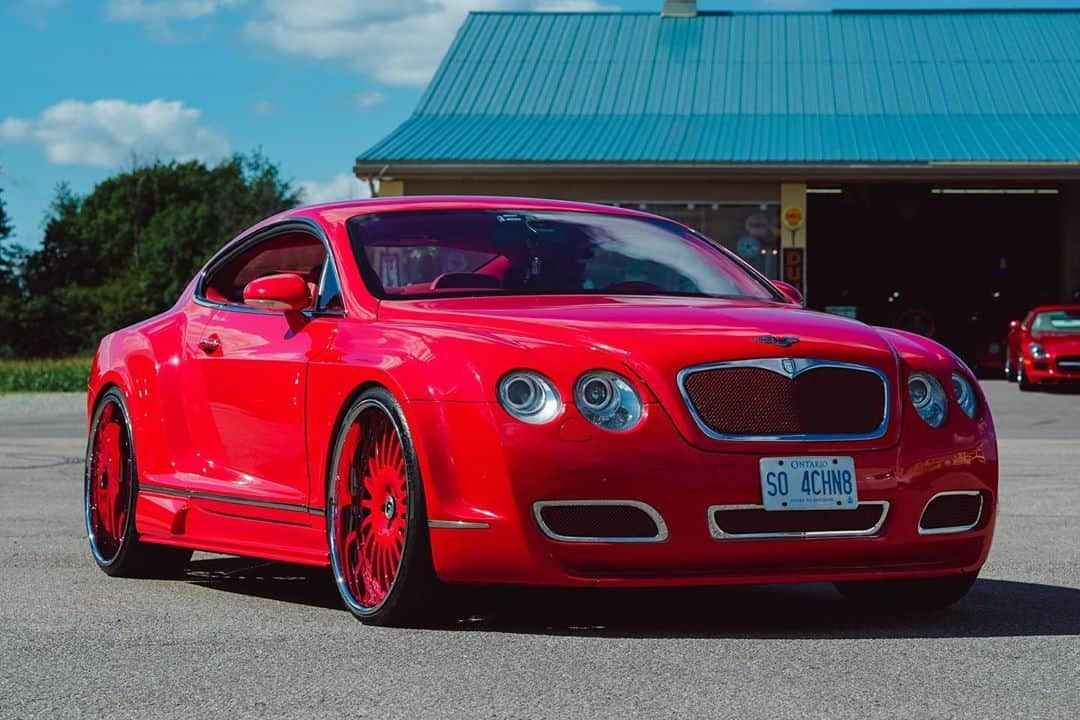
<point x="808" y="483"/>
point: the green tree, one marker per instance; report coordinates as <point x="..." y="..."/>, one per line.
<point x="127" y="250"/>
<point x="10" y="286"/>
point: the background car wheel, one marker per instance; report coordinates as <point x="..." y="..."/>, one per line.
<point x="920" y="594"/>
<point x="1021" y="378"/>
<point x="1008" y="369"/>
<point x="110" y="488"/>
<point x="376" y="519"/>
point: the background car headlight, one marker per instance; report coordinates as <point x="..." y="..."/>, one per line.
<point x="607" y="400"/>
<point x="1037" y="351"/>
<point x="530" y="397"/>
<point x="965" y="395"/>
<point x="928" y="397"/>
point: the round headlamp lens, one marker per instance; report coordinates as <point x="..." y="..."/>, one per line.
<point x="965" y="395"/>
<point x="530" y="397"/>
<point x="608" y="400"/>
<point x="928" y="398"/>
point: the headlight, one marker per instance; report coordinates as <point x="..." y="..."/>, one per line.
<point x="928" y="397"/>
<point x="530" y="397"/>
<point x="1037" y="351"/>
<point x="607" y="400"/>
<point x="965" y="395"/>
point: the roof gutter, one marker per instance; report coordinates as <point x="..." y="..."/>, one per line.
<point x="735" y="171"/>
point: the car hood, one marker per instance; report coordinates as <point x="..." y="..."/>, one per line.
<point x="661" y="332"/>
<point x="1059" y="343"/>
<point x="656" y="337"/>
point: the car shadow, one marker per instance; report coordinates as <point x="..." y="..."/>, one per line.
<point x="993" y="608"/>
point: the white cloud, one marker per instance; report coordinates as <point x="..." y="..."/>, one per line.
<point x="164" y="10"/>
<point x="397" y="42"/>
<point x="370" y="100"/>
<point x="110" y="133"/>
<point x="342" y="186"/>
<point x="263" y="107"/>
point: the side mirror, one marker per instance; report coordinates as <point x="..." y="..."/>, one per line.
<point x="790" y="292"/>
<point x="1013" y="325"/>
<point x="283" y="292"/>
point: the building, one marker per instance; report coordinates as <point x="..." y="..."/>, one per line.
<point x="914" y="169"/>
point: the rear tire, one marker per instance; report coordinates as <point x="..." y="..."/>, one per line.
<point x="110" y="487"/>
<point x="921" y="594"/>
<point x="376" y="519"/>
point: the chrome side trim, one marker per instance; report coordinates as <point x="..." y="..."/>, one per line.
<point x="661" y="526"/>
<point x="458" y="525"/>
<point x="718" y="533"/>
<point x="221" y="497"/>
<point x="789" y="368"/>
<point x="953" y="528"/>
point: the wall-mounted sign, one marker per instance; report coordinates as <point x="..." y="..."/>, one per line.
<point x="793" y="267"/>
<point x="793" y="218"/>
<point x="849" y="311"/>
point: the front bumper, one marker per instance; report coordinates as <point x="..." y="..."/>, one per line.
<point x="484" y="472"/>
<point x="1050" y="371"/>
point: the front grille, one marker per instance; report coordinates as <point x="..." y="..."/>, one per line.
<point x="768" y="400"/>
<point x="598" y="520"/>
<point x="753" y="521"/>
<point x="1069" y="363"/>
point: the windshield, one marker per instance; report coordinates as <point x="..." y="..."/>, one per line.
<point x="477" y="252"/>
<point x="1057" y="321"/>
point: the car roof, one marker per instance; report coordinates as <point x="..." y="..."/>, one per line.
<point x="339" y="211"/>
<point x="1051" y="308"/>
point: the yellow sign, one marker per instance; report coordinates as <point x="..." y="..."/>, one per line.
<point x="794" y="217"/>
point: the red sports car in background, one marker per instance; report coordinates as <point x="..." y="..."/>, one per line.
<point x="495" y="390"/>
<point x="1044" y="347"/>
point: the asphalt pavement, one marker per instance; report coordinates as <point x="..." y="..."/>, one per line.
<point x="245" y="638"/>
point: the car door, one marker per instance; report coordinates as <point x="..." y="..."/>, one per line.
<point x="254" y="373"/>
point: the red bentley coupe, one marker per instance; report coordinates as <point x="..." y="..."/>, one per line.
<point x="418" y="391"/>
<point x="1044" y="347"/>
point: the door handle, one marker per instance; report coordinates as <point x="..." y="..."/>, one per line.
<point x="210" y="345"/>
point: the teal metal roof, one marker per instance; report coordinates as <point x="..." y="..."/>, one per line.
<point x="841" y="87"/>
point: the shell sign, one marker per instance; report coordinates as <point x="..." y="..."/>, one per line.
<point x="794" y="217"/>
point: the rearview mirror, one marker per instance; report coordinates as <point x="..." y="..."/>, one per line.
<point x="282" y="292"/>
<point x="790" y="292"/>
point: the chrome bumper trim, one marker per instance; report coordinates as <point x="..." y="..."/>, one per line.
<point x="718" y="533"/>
<point x="457" y="525"/>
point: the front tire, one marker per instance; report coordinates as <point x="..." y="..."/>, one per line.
<point x="921" y="594"/>
<point x="110" y="486"/>
<point x="376" y="520"/>
<point x="1021" y="378"/>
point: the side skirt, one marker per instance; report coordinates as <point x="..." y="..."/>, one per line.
<point x="233" y="526"/>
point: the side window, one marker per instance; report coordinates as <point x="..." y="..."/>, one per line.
<point x="330" y="292"/>
<point x="293" y="252"/>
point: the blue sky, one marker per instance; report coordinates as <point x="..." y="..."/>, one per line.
<point x="92" y="87"/>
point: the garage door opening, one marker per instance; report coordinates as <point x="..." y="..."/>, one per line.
<point x="954" y="263"/>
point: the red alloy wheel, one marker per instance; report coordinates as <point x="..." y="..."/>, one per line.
<point x="371" y="499"/>
<point x="110" y="483"/>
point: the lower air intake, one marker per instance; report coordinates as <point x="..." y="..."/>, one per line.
<point x="727" y="522"/>
<point x="599" y="521"/>
<point x="951" y="512"/>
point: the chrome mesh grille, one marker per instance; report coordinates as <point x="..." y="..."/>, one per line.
<point x="770" y="400"/>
